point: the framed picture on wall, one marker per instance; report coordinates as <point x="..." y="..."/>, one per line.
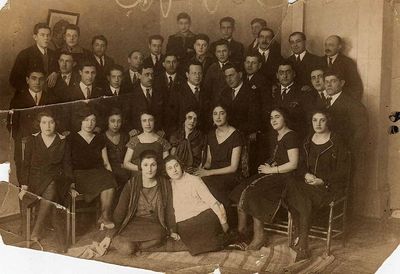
<point x="61" y="17"/>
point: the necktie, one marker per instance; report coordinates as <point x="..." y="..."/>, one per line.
<point x="170" y="82"/>
<point x="45" y="61"/>
<point x="233" y="94"/>
<point x="328" y="101"/>
<point x="148" y="96"/>
<point x="101" y="62"/>
<point x="297" y="58"/>
<point x="330" y="62"/>
<point x="265" y="57"/>
<point x="64" y="77"/>
<point x="36" y="99"/>
<point x="88" y="92"/>
<point x="197" y="93"/>
<point x="116" y="91"/>
<point x="283" y="93"/>
<point x="134" y="78"/>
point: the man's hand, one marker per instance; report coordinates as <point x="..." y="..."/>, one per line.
<point x="175" y="236"/>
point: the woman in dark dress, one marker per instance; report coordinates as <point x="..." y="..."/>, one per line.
<point x="92" y="170"/>
<point x="321" y="177"/>
<point x="144" y="216"/>
<point x="116" y="141"/>
<point x="188" y="142"/>
<point x="262" y="198"/>
<point x="46" y="170"/>
<point x="224" y="145"/>
<point x="147" y="140"/>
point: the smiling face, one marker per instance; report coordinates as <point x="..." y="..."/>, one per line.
<point x="89" y="123"/>
<point x="88" y="74"/>
<point x="47" y="125"/>
<point x="191" y="120"/>
<point x="147" y="122"/>
<point x="36" y="81"/>
<point x="42" y="38"/>
<point x="149" y="168"/>
<point x="114" y="123"/>
<point x="219" y="116"/>
<point x="320" y="123"/>
<point x="174" y="169"/>
<point x="277" y="120"/>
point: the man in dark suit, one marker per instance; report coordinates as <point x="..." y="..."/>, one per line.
<point x="303" y="61"/>
<point x="169" y="80"/>
<point x="271" y="58"/>
<point x="38" y="56"/>
<point x="131" y="76"/>
<point x="21" y="122"/>
<point x="68" y="77"/>
<point x="102" y="61"/>
<point x="146" y="97"/>
<point x="335" y="60"/>
<point x="350" y="119"/>
<point x="214" y="82"/>
<point x="289" y="95"/>
<point x="318" y="91"/>
<point x="227" y="27"/>
<point x="156" y="56"/>
<point x="71" y="38"/>
<point x="202" y="55"/>
<point x="256" y="25"/>
<point x="181" y="43"/>
<point x="190" y="95"/>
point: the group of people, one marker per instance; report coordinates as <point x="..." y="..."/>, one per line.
<point x="173" y="142"/>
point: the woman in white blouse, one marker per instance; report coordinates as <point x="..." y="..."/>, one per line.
<point x="200" y="218"/>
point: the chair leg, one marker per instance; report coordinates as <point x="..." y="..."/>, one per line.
<point x="73" y="221"/>
<point x="290" y="228"/>
<point x="344" y="228"/>
<point x="68" y="228"/>
<point x="329" y="236"/>
<point x="28" y="227"/>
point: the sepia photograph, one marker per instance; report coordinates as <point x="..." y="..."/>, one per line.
<point x="200" y="136"/>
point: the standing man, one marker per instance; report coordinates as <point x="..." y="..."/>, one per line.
<point x="38" y="56"/>
<point x="335" y="60"/>
<point x="303" y="61"/>
<point x="227" y="27"/>
<point x="156" y="56"/>
<point x="318" y="91"/>
<point x="103" y="62"/>
<point x="131" y="77"/>
<point x="181" y="43"/>
<point x="201" y="42"/>
<point x="71" y="37"/>
<point x="256" y="25"/>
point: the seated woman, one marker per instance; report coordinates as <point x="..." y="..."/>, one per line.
<point x="322" y="176"/>
<point x="224" y="145"/>
<point x="188" y="142"/>
<point x="47" y="171"/>
<point x="262" y="198"/>
<point x="116" y="148"/>
<point x="199" y="216"/>
<point x="92" y="170"/>
<point x="144" y="215"/>
<point x="147" y="140"/>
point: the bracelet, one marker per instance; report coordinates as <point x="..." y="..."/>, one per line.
<point x="277" y="169"/>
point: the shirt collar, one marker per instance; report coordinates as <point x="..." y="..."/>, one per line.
<point x="171" y="75"/>
<point x="238" y="88"/>
<point x="287" y="87"/>
<point x="114" y="90"/>
<point x="192" y="87"/>
<point x="98" y="58"/>
<point x="222" y="64"/>
<point x="301" y="55"/>
<point x="68" y="75"/>
<point x="39" y="94"/>
<point x="333" y="57"/>
<point x="84" y="87"/>
<point x="153" y="57"/>
<point x="144" y="88"/>
<point x="42" y="50"/>
<point x="262" y="52"/>
<point x="334" y="97"/>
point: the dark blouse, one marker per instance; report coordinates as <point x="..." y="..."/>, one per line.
<point x="189" y="150"/>
<point x="116" y="152"/>
<point x="84" y="155"/>
<point x="288" y="141"/>
<point x="221" y="154"/>
<point x="159" y="146"/>
<point x="314" y="153"/>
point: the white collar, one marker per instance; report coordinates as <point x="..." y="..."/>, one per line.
<point x="261" y="51"/>
<point x="39" y="95"/>
<point x="287" y="87"/>
<point x="301" y="55"/>
<point x="153" y="57"/>
<point x="221" y="65"/>
<point x="84" y="89"/>
<point x="333" y="57"/>
<point x="66" y="74"/>
<point x="114" y="90"/>
<point x="238" y="88"/>
<point x="192" y="87"/>
<point x="144" y="88"/>
<point x="334" y="97"/>
<point x="170" y="75"/>
<point x="99" y="58"/>
<point x="42" y="50"/>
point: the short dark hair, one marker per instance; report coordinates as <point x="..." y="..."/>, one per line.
<point x="193" y="63"/>
<point x="155" y="37"/>
<point x="317" y="68"/>
<point x="227" y="19"/>
<point x="132" y="52"/>
<point x="324" y="112"/>
<point x="73" y="27"/>
<point x="150" y="154"/>
<point x="39" y="26"/>
<point x="44" y="113"/>
<point x="168" y="54"/>
<point x="286" y="115"/>
<point x="334" y="72"/>
<point x="285" y="63"/>
<point x="86" y="63"/>
<point x="221" y="42"/>
<point x="84" y="112"/>
<point x="253" y="53"/>
<point x="303" y="36"/>
<point x="34" y="69"/>
<point x="101" y="38"/>
<point x="261" y="21"/>
<point x="115" y="67"/>
<point x="224" y="106"/>
<point x="183" y="15"/>
<point x="230" y="65"/>
<point x="266" y="29"/>
<point x="202" y="36"/>
<point x="64" y="52"/>
<point x="114" y="111"/>
<point x="146" y="65"/>
<point x="172" y="157"/>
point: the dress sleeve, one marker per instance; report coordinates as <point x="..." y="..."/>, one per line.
<point x="165" y="145"/>
<point x="132" y="143"/>
<point x="237" y="139"/>
<point x="291" y="140"/>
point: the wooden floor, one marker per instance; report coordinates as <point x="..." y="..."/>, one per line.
<point x="369" y="243"/>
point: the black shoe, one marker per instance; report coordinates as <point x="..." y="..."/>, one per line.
<point x="242" y="246"/>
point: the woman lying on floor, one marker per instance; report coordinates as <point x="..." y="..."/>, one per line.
<point x="322" y="176"/>
<point x="200" y="218"/>
<point x="144" y="215"/>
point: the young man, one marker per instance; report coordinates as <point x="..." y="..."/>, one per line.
<point x="131" y="77"/>
<point x="201" y="42"/>
<point x="214" y="81"/>
<point x="303" y="61"/>
<point x="103" y="62"/>
<point x="71" y="38"/>
<point x="181" y="43"/>
<point x="21" y="122"/>
<point x="318" y="91"/>
<point x="156" y="56"/>
<point x="38" y="56"/>
<point x="256" y="25"/>
<point x="335" y="60"/>
<point x="227" y="27"/>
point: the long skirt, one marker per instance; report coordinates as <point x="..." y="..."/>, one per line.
<point x="263" y="196"/>
<point x="202" y="233"/>
<point x="92" y="182"/>
<point x="221" y="186"/>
